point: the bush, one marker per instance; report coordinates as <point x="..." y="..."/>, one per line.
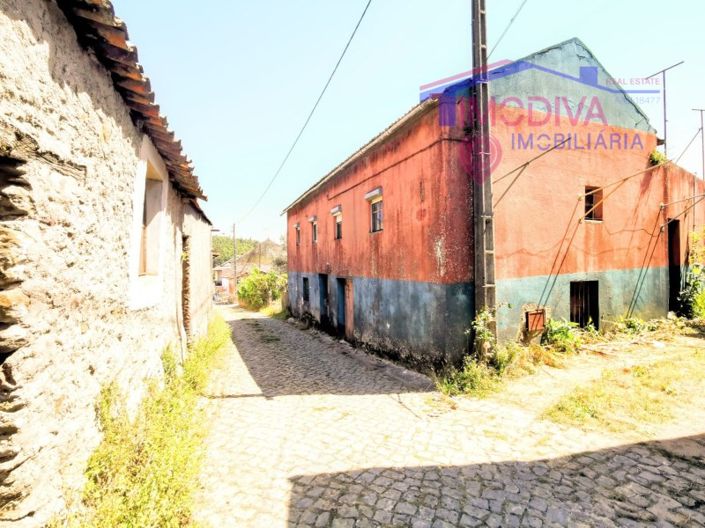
<point x="474" y="378"/>
<point x="145" y="471"/>
<point x="692" y="297"/>
<point x="484" y="371"/>
<point x="657" y="157"/>
<point x="562" y="335"/>
<point x="259" y="289"/>
<point x="484" y="340"/>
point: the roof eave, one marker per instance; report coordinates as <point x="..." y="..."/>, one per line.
<point x="415" y="113"/>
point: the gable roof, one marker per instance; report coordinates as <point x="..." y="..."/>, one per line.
<point x="588" y="75"/>
<point x="99" y="29"/>
<point x="503" y="70"/>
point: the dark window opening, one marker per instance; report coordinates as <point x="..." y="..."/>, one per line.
<point x="306" y="292"/>
<point x="314" y="232"/>
<point x="584" y="303"/>
<point x="298" y="236"/>
<point x="376" y="210"/>
<point x="593" y="203"/>
<point x="338" y="227"/>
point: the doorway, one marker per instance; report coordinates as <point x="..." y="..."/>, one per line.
<point x="340" y="312"/>
<point x="585" y="303"/>
<point x="674" y="265"/>
<point x="323" y="298"/>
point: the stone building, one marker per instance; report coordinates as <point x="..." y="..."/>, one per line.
<point x="105" y="253"/>
<point x="587" y="227"/>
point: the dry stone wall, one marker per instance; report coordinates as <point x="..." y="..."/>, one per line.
<point x="69" y="154"/>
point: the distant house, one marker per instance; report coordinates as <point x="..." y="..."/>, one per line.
<point x="105" y="252"/>
<point x="381" y="249"/>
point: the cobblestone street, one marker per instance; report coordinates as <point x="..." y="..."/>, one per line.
<point x="307" y="431"/>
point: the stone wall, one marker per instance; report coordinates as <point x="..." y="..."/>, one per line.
<point x="69" y="320"/>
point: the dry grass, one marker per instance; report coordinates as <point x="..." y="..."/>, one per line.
<point x="634" y="399"/>
<point x="275" y="311"/>
<point x="145" y="471"/>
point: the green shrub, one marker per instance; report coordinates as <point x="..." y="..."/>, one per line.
<point x="657" y="157"/>
<point x="692" y="298"/>
<point x="562" y="335"/>
<point x="484" y="340"/>
<point x="259" y="289"/>
<point x="473" y="378"/>
<point x="145" y="471"/>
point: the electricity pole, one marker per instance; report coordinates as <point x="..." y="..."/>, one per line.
<point x="483" y="215"/>
<point x="665" y="120"/>
<point x="235" y="299"/>
<point x="702" y="158"/>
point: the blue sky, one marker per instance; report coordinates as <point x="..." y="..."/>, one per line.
<point x="237" y="79"/>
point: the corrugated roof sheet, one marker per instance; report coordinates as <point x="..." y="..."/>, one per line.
<point x="99" y="29"/>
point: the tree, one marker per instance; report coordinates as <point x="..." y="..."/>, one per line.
<point x="223" y="249"/>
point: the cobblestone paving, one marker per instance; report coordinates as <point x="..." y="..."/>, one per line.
<point x="307" y="432"/>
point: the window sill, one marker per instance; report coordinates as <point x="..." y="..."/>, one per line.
<point x="589" y="221"/>
<point x="376" y="232"/>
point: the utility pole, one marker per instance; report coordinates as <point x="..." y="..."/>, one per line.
<point x="702" y="159"/>
<point x="483" y="215"/>
<point x="665" y="119"/>
<point x="235" y="299"/>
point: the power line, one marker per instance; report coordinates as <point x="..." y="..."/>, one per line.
<point x="506" y="29"/>
<point x="547" y="291"/>
<point x="310" y="115"/>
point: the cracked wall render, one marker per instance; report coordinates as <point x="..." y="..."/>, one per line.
<point x="65" y="243"/>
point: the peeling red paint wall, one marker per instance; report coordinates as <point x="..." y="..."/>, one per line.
<point x="536" y="222"/>
<point x="426" y="207"/>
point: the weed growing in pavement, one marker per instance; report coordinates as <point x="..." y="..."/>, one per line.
<point x="144" y="472"/>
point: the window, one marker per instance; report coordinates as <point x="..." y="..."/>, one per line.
<point x="584" y="303"/>
<point x="306" y="292"/>
<point x="297" y="227"/>
<point x="151" y="208"/>
<point x="337" y="213"/>
<point x="593" y="204"/>
<point x="375" y="199"/>
<point x="313" y="220"/>
<point x="338" y="227"/>
<point x="376" y="210"/>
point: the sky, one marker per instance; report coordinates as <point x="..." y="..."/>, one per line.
<point x="237" y="79"/>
